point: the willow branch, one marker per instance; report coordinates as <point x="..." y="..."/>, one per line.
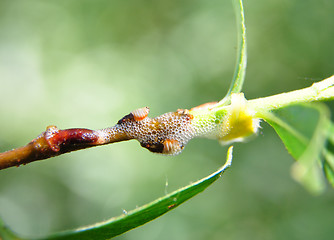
<point x="157" y="135"/>
<point x="170" y="132"/>
<point x="54" y="142"/>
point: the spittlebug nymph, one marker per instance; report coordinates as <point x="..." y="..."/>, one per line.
<point x="140" y="113"/>
<point x="171" y="147"/>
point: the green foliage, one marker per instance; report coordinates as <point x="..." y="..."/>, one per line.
<point x="6" y="233"/>
<point x="139" y="216"/>
<point x="134" y="49"/>
<point x="146" y="213"/>
<point x="328" y="154"/>
<point x="304" y="129"/>
<point x="241" y="63"/>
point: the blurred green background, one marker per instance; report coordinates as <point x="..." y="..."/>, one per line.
<point x="87" y="63"/>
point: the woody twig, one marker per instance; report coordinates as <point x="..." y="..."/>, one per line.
<point x="165" y="134"/>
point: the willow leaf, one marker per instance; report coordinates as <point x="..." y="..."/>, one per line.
<point x="304" y="130"/>
<point x="135" y="218"/>
<point x="241" y="63"/>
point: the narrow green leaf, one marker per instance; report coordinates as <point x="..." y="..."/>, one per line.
<point x="329" y="167"/>
<point x="329" y="156"/>
<point x="304" y="131"/>
<point x="240" y="68"/>
<point x="139" y="216"/>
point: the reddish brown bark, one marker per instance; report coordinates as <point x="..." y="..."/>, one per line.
<point x="50" y="143"/>
<point x="165" y="134"/>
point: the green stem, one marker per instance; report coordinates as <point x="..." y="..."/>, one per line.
<point x="240" y="118"/>
<point x="320" y="91"/>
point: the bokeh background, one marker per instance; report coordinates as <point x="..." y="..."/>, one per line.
<point x="87" y="63"/>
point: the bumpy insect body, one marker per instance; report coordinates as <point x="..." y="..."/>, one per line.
<point x="165" y="134"/>
<point x="170" y="132"/>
